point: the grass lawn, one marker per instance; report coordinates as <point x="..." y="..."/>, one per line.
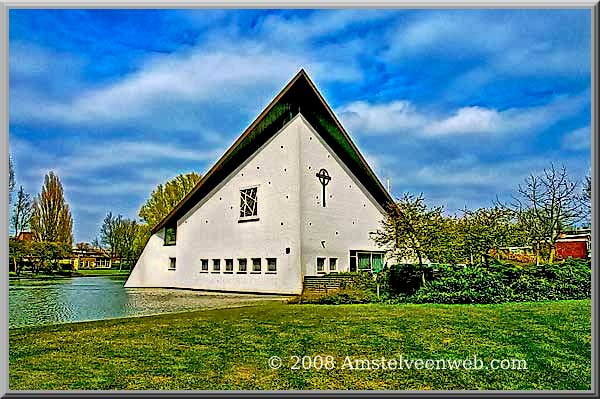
<point x="229" y="348"/>
<point x="74" y="273"/>
<point x="100" y="272"/>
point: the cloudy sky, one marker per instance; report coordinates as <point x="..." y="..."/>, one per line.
<point x="460" y="105"/>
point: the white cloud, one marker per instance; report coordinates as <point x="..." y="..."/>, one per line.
<point x="381" y="118"/>
<point x="467" y="120"/>
<point x="172" y="86"/>
<point x="403" y="117"/>
<point x="28" y="60"/>
<point x="577" y="140"/>
<point x="302" y="28"/>
<point x="514" y="44"/>
<point x="129" y="154"/>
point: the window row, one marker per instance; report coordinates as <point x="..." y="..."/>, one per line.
<point x="242" y="265"/>
<point x="332" y="264"/>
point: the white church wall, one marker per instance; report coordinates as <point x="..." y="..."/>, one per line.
<point x="152" y="268"/>
<point x="350" y="212"/>
<point x="290" y="218"/>
<point x="211" y="230"/>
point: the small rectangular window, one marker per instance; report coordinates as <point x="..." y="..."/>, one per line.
<point x="170" y="235"/>
<point x="172" y="263"/>
<point x="256" y="264"/>
<point x="271" y="264"/>
<point x="204" y="265"/>
<point x="242" y="265"/>
<point x="320" y="265"/>
<point x="216" y="265"/>
<point x="228" y="265"/>
<point x="248" y="203"/>
<point x="332" y="264"/>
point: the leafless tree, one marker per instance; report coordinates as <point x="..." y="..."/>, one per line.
<point x="545" y="205"/>
<point x="22" y="211"/>
<point x="11" y="179"/>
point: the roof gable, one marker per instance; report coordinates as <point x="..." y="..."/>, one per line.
<point x="299" y="96"/>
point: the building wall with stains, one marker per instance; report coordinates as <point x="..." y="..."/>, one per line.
<point x="291" y="225"/>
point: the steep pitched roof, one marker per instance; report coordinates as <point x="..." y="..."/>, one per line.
<point x="300" y="95"/>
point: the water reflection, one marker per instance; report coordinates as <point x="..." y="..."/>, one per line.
<point x="34" y="302"/>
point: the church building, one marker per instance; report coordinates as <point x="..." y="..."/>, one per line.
<point x="292" y="197"/>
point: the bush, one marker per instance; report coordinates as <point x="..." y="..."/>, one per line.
<point x="497" y="283"/>
<point x="359" y="281"/>
<point x="341" y="296"/>
<point x="408" y="278"/>
<point x="571" y="279"/>
<point x="464" y="285"/>
<point x="506" y="282"/>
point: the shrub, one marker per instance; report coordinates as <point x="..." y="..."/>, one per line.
<point x="464" y="285"/>
<point x="359" y="280"/>
<point x="499" y="282"/>
<point x="341" y="296"/>
<point x="407" y="278"/>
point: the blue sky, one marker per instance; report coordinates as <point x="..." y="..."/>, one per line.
<point x="460" y="105"/>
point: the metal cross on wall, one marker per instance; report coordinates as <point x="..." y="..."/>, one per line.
<point x="324" y="178"/>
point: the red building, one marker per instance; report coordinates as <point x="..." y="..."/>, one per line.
<point x="574" y="244"/>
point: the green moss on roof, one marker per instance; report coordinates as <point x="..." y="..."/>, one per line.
<point x="299" y="96"/>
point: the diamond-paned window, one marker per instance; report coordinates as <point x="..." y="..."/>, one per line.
<point x="248" y="203"/>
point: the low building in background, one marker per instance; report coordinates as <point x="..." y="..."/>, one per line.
<point x="574" y="244"/>
<point x="90" y="258"/>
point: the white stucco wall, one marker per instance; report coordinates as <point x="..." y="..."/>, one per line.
<point x="211" y="229"/>
<point x="290" y="216"/>
<point x="152" y="268"/>
<point x="350" y="212"/>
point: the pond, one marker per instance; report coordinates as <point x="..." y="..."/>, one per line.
<point x="66" y="300"/>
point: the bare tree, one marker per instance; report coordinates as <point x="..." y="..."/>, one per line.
<point x="22" y="211"/>
<point x="51" y="220"/>
<point x="11" y="179"/>
<point x="108" y="233"/>
<point x="586" y="197"/>
<point x="545" y="205"/>
<point x="118" y="235"/>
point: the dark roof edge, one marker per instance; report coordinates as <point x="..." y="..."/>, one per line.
<point x="211" y="171"/>
<point x="249" y="129"/>
<point x="347" y="137"/>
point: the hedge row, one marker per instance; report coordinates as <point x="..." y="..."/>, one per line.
<point x="500" y="282"/>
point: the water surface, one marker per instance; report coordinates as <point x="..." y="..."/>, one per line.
<point x="35" y="302"/>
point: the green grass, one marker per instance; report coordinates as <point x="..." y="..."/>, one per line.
<point x="100" y="272"/>
<point x="74" y="273"/>
<point x="229" y="348"/>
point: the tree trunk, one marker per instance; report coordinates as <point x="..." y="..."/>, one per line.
<point x="551" y="255"/>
